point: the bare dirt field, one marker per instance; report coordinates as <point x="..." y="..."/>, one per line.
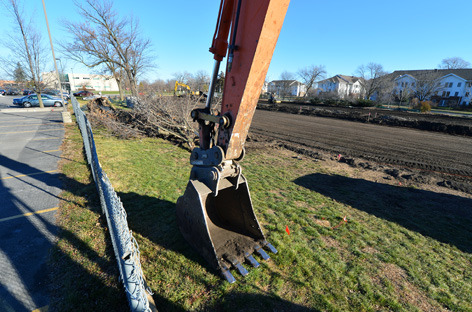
<point x="399" y="153"/>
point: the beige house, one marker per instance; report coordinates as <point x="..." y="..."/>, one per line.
<point x="284" y="88"/>
<point x="342" y="86"/>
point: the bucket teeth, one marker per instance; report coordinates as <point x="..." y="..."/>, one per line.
<point x="238" y="266"/>
<point x="261" y="252"/>
<point x="228" y="276"/>
<point x="271" y="248"/>
<point x="251" y="260"/>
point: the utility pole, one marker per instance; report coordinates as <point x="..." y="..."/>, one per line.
<point x="65" y="115"/>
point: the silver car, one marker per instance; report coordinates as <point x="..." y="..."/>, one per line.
<point x="48" y="100"/>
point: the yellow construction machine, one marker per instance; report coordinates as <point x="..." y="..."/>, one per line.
<point x="215" y="214"/>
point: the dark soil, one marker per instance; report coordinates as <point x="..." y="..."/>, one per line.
<point x="407" y="155"/>
<point x="423" y="121"/>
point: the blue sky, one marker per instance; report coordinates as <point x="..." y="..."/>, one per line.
<point x="341" y="35"/>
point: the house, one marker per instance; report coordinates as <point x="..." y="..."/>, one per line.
<point x="283" y="88"/>
<point x="342" y="86"/>
<point x="75" y="82"/>
<point x="447" y="87"/>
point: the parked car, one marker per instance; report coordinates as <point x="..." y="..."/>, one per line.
<point x="56" y="93"/>
<point x="3" y="92"/>
<point x="13" y="92"/>
<point x="32" y="100"/>
<point x="83" y="93"/>
<point x="27" y="92"/>
<point x="19" y="101"/>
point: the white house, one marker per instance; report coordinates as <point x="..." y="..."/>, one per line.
<point x="342" y="86"/>
<point x="287" y="88"/>
<point x="447" y="86"/>
<point x="75" y="82"/>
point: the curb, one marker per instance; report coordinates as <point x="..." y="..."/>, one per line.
<point x="66" y="117"/>
<point x="29" y="110"/>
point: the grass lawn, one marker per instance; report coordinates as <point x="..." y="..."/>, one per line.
<point x="399" y="250"/>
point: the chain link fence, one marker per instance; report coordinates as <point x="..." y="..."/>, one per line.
<point x="125" y="246"/>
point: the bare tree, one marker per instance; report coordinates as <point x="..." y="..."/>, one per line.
<point x="310" y="75"/>
<point x="371" y="74"/>
<point x="427" y="84"/>
<point x="183" y="77"/>
<point x="287" y="79"/>
<point x="105" y="39"/>
<point x="25" y="44"/>
<point x="454" y="63"/>
<point x="201" y="81"/>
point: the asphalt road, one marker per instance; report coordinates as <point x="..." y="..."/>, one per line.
<point x="29" y="189"/>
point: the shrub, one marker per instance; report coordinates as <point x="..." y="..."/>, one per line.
<point x="364" y="103"/>
<point x="425" y="106"/>
<point x="315" y="100"/>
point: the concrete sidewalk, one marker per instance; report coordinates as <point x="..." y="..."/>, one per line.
<point x="30" y="140"/>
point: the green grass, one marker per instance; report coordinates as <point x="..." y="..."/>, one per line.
<point x="402" y="249"/>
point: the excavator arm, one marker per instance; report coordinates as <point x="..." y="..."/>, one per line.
<point x="215" y="214"/>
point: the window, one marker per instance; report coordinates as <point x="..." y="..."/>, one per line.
<point x="456" y="94"/>
<point x="444" y="94"/>
<point x="459" y="84"/>
<point x="467" y="94"/>
<point x="446" y="84"/>
<point x="76" y="78"/>
<point x="450" y="84"/>
<point x="412" y="84"/>
<point x="96" y="78"/>
<point x="86" y="78"/>
<point x="448" y="93"/>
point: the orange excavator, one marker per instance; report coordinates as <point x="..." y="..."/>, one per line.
<point x="215" y="214"/>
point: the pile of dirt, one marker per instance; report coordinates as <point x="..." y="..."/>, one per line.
<point x="424" y="121"/>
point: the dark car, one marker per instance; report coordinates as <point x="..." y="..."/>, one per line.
<point x="13" y="92"/>
<point x="83" y="93"/>
<point x="27" y="92"/>
<point x="32" y="100"/>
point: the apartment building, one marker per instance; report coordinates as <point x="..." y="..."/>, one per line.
<point x="447" y="87"/>
<point x="342" y="86"/>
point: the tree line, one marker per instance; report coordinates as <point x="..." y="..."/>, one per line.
<point x="375" y="80"/>
<point x="103" y="41"/>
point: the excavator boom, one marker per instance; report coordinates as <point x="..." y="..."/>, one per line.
<point x="215" y="214"/>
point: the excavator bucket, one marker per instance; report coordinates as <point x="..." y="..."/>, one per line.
<point x="222" y="228"/>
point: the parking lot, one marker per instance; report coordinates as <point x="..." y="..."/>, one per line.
<point x="29" y="196"/>
<point x="6" y="101"/>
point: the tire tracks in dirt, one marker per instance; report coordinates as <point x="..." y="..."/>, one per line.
<point x="429" y="152"/>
